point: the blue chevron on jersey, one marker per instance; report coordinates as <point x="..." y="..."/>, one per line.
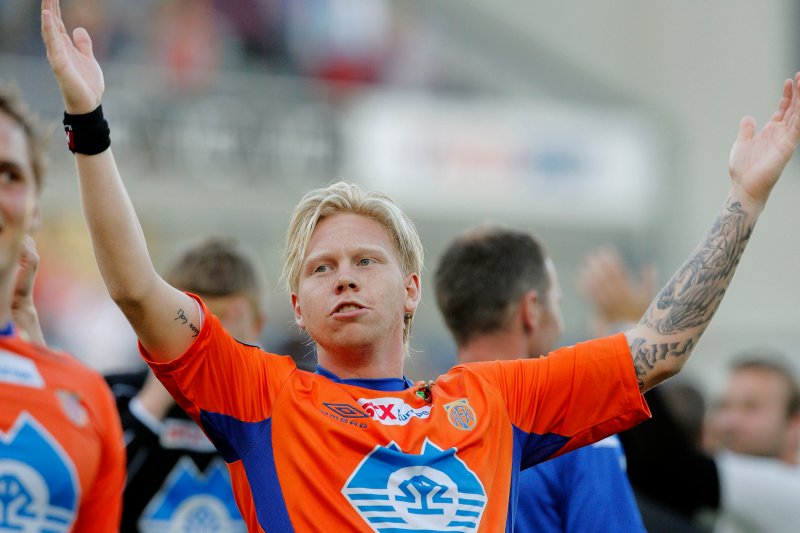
<point x="191" y="501"/>
<point x="39" y="488"/>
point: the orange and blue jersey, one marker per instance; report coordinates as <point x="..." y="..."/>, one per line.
<point x="312" y="452"/>
<point x="62" y="459"/>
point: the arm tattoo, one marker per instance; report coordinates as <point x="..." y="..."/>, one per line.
<point x="181" y="317"/>
<point x="646" y="355"/>
<point x="693" y="294"/>
<point x="683" y="309"/>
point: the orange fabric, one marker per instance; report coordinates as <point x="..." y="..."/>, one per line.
<point x="327" y="436"/>
<point x="61" y="412"/>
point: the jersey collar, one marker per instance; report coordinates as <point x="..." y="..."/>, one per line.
<point x="381" y="384"/>
<point x="7" y="330"/>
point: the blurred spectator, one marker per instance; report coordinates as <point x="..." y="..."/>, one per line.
<point x="759" y="412"/>
<point x="341" y="41"/>
<point x="187" y="42"/>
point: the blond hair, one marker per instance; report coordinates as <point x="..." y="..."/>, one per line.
<point x="344" y="197"/>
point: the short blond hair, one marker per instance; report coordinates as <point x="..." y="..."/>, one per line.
<point x="344" y="197"/>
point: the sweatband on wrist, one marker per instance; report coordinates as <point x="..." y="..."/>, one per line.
<point x="88" y="133"/>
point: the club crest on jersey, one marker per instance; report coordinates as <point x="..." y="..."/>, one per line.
<point x="39" y="489"/>
<point x="393" y="411"/>
<point x="192" y="502"/>
<point x="72" y="407"/>
<point x="461" y="414"/>
<point x="432" y="491"/>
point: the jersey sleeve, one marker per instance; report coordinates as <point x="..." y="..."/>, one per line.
<point x="220" y="379"/>
<point x="573" y="397"/>
<point x="101" y="507"/>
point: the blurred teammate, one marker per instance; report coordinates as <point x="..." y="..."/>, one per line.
<point x="176" y="479"/>
<point x="512" y="312"/>
<point x="356" y="446"/>
<point x="62" y="461"/>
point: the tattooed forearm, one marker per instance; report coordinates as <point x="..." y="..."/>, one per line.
<point x="693" y="294"/>
<point x="645" y="355"/>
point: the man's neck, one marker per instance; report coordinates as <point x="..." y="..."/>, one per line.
<point x="364" y="363"/>
<point x="492" y="347"/>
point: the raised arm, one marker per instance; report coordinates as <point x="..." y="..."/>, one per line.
<point x="670" y="329"/>
<point x="165" y="319"/>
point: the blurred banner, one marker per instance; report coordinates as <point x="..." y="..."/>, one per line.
<point x="565" y="164"/>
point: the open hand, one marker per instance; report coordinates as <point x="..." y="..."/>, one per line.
<point x="72" y="61"/>
<point x="758" y="158"/>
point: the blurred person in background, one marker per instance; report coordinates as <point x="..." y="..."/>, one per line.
<point x="364" y="444"/>
<point x="753" y="490"/>
<point x="759" y="411"/>
<point x="756" y="428"/>
<point x="514" y="312"/>
<point x="62" y="461"/>
<point x="176" y="478"/>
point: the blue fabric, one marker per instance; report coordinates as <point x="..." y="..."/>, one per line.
<point x="382" y="384"/>
<point x="7" y="330"/>
<point x="230" y="437"/>
<point x="586" y="490"/>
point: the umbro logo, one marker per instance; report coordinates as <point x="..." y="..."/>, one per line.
<point x="345" y="413"/>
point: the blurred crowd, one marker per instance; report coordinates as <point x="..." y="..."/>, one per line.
<point x="340" y="41"/>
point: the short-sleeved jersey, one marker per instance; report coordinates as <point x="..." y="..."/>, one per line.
<point x="585" y="490"/>
<point x="309" y="452"/>
<point x="176" y="479"/>
<point x="62" y="460"/>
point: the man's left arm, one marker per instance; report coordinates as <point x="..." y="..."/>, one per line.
<point x="668" y="332"/>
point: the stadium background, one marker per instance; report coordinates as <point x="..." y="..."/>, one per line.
<point x="588" y="123"/>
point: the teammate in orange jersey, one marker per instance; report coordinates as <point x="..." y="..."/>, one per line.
<point x="356" y="446"/>
<point x="62" y="462"/>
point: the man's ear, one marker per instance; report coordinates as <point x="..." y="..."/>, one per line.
<point x="530" y="310"/>
<point x="413" y="293"/>
<point x="298" y="315"/>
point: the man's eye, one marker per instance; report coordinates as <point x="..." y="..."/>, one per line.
<point x="365" y="262"/>
<point x="8" y="176"/>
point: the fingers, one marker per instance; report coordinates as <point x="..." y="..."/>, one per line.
<point x="82" y="41"/>
<point x="747" y="128"/>
<point x="786" y="99"/>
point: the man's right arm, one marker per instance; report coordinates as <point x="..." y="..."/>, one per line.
<point x="165" y="319"/>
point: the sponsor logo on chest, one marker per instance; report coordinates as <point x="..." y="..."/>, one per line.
<point x="18" y="370"/>
<point x="393" y="411"/>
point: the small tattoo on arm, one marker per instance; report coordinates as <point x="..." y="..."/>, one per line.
<point x="181" y="317"/>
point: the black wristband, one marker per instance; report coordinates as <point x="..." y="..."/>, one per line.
<point x="87" y="134"/>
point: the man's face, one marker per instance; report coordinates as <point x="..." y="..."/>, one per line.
<point x="551" y="323"/>
<point x="751" y="418"/>
<point x="18" y="198"/>
<point x="352" y="293"/>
